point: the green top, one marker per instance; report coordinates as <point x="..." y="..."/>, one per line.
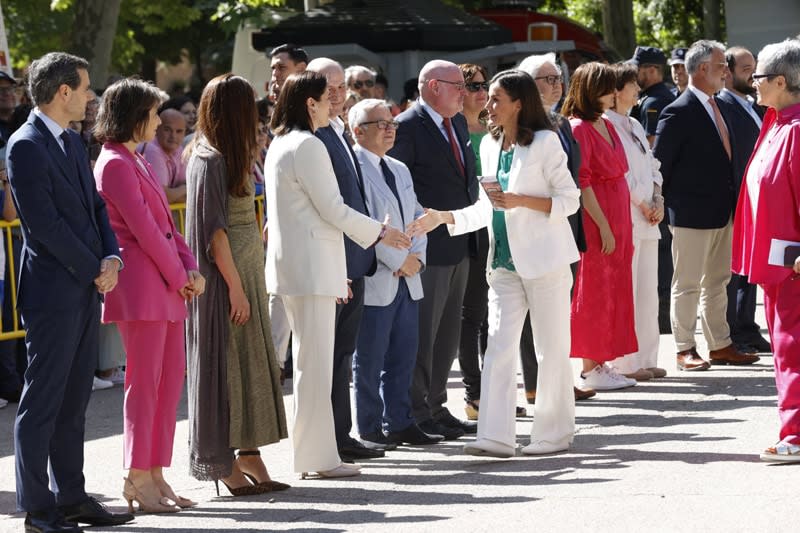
<point x="476" y="147"/>
<point x="502" y="253"/>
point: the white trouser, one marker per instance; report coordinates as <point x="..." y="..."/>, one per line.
<point x="281" y="332"/>
<point x="510" y="298"/>
<point x="645" y="303"/>
<point x="702" y="259"/>
<point x="312" y="319"/>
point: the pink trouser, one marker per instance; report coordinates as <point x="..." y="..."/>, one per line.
<point x="156" y="362"/>
<point x="783" y="319"/>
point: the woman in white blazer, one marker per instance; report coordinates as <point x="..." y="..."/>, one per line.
<point x="306" y="260"/>
<point x="647" y="210"/>
<point x="531" y="248"/>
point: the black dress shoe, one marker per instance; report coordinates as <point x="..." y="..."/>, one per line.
<point x="377" y="441"/>
<point x="447" y="420"/>
<point x="413" y="435"/>
<point x="354" y="450"/>
<point x="94" y="513"/>
<point x="759" y="344"/>
<point x="434" y="428"/>
<point x="49" y="522"/>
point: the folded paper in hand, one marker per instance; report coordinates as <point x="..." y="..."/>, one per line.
<point x="783" y="253"/>
<point x="490" y="185"/>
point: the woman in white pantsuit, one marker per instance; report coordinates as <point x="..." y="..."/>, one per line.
<point x="647" y="210"/>
<point x="306" y="261"/>
<point x="531" y="248"/>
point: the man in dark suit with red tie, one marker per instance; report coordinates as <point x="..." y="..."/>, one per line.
<point x="746" y="116"/>
<point x="433" y="142"/>
<point x="69" y="259"/>
<point x="695" y="144"/>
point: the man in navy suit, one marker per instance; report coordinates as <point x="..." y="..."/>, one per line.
<point x="69" y="259"/>
<point x="360" y="263"/>
<point x="695" y="144"/>
<point x="746" y="118"/>
<point x="433" y="142"/>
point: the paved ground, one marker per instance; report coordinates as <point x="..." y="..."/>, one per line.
<point x="676" y="454"/>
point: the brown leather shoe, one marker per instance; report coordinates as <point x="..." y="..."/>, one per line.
<point x="584" y="394"/>
<point x="731" y="356"/>
<point x="691" y="361"/>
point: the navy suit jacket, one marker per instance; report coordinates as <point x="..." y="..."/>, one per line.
<point x="747" y="132"/>
<point x="64" y="222"/>
<point x="360" y="262"/>
<point x="699" y="186"/>
<point x="438" y="182"/>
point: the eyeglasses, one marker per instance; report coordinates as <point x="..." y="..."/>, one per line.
<point x="551" y="80"/>
<point x="475" y="86"/>
<point x="383" y="124"/>
<point x="359" y="84"/>
<point x="758" y="78"/>
<point x="458" y="84"/>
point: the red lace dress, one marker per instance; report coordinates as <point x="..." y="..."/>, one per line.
<point x="602" y="320"/>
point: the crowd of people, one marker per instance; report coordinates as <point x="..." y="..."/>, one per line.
<point x="522" y="217"/>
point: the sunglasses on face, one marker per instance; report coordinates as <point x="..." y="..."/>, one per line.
<point x="359" y="84"/>
<point x="383" y="124"/>
<point x="475" y="86"/>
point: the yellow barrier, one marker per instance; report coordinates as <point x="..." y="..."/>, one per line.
<point x="17" y="332"/>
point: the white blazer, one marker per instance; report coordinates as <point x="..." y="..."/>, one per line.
<point x="381" y="287"/>
<point x="539" y="242"/>
<point x="305" y="253"/>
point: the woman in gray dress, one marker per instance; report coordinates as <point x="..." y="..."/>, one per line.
<point x="235" y="399"/>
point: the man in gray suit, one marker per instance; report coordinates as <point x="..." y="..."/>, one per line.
<point x="433" y="142"/>
<point x="387" y="340"/>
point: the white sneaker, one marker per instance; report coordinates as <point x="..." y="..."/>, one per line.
<point x="117" y="376"/>
<point x="603" y="377"/>
<point x="100" y="384"/>
<point x="3" y="402"/>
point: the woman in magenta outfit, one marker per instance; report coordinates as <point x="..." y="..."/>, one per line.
<point x="602" y="302"/>
<point x="148" y="304"/>
<point x="767" y="219"/>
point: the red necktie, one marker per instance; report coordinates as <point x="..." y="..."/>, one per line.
<point x="723" y="130"/>
<point x="454" y="145"/>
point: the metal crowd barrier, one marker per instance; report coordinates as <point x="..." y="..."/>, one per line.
<point x="16" y="331"/>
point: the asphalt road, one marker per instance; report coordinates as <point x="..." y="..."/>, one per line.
<point x="675" y="454"/>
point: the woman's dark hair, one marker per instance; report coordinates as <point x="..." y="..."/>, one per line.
<point x="589" y="82"/>
<point x="470" y="69"/>
<point x="291" y="111"/>
<point x="228" y="120"/>
<point x="625" y="73"/>
<point x="125" y="110"/>
<point x="532" y="117"/>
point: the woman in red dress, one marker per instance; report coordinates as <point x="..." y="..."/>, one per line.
<point x="602" y="303"/>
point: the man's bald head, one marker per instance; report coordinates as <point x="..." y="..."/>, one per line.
<point x="441" y="86"/>
<point x="172" y="131"/>
<point x="334" y="73"/>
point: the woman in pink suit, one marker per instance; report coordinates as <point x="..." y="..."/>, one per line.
<point x="766" y="232"/>
<point x="148" y="305"/>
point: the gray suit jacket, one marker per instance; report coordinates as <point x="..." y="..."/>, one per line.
<point x="381" y="287"/>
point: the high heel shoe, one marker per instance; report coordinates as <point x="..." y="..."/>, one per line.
<point x="247" y="490"/>
<point x="271" y="484"/>
<point x="146" y="505"/>
<point x="343" y="470"/>
<point x="183" y="503"/>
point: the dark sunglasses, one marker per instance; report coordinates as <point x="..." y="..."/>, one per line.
<point x="358" y="84"/>
<point x="383" y="124"/>
<point x="475" y="86"/>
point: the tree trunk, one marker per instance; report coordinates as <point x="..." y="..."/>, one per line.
<point x="618" y="29"/>
<point x="712" y="17"/>
<point x="93" y="35"/>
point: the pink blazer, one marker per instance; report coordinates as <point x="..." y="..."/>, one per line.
<point x="778" y="209"/>
<point x="155" y="255"/>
